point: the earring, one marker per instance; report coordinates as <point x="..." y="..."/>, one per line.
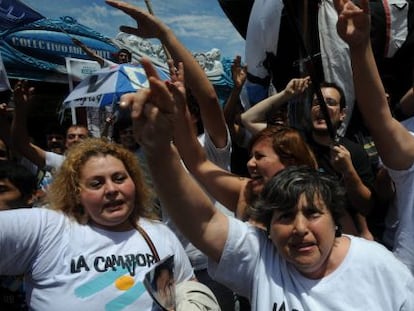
<point x="338" y="231"/>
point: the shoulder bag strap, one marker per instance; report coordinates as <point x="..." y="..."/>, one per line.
<point x="149" y="242"/>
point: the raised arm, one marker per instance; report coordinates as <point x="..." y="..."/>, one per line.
<point x="233" y="109"/>
<point x="89" y="52"/>
<point x="357" y="180"/>
<point x="359" y="194"/>
<point x="23" y="97"/>
<point x="5" y="124"/>
<point x="221" y="184"/>
<point x="153" y="112"/>
<point x="148" y="26"/>
<point x="255" y="118"/>
<point x="393" y="142"/>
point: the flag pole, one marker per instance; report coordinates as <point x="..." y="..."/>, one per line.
<point x="310" y="66"/>
<point x="150" y="10"/>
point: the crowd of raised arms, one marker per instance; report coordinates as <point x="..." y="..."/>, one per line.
<point x="260" y="209"/>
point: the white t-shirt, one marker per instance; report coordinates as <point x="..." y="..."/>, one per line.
<point x="403" y="242"/>
<point x="369" y="278"/>
<point x="219" y="156"/>
<point x="53" y="161"/>
<point x="409" y="124"/>
<point x="69" y="266"/>
<point x="404" y="199"/>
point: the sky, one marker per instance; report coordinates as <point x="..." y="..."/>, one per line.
<point x="199" y="24"/>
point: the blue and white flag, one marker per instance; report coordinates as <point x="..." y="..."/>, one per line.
<point x="14" y="13"/>
<point x="106" y="86"/>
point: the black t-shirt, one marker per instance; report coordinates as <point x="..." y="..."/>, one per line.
<point x="12" y="295"/>
<point x="359" y="158"/>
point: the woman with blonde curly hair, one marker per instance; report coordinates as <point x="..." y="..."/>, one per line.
<point x="64" y="192"/>
<point x="92" y="247"/>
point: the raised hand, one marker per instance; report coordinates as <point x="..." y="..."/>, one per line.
<point x="148" y="26"/>
<point x="341" y="159"/>
<point x="176" y="73"/>
<point x="238" y="72"/>
<point x="23" y="94"/>
<point x="153" y="111"/>
<point x="297" y="86"/>
<point x="353" y="22"/>
<point x="177" y="78"/>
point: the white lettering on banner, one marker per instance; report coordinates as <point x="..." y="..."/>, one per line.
<point x="53" y="47"/>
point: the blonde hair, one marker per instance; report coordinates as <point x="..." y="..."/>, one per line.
<point x="63" y="194"/>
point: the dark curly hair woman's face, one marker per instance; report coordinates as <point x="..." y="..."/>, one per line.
<point x="304" y="235"/>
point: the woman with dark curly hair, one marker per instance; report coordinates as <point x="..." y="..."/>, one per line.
<point x="281" y="194"/>
<point x="302" y="261"/>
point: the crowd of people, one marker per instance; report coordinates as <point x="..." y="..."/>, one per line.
<point x="261" y="208"/>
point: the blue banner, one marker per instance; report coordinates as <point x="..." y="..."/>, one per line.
<point x="14" y="13"/>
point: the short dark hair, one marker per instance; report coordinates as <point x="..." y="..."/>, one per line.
<point x="19" y="176"/>
<point x="342" y="102"/>
<point x="283" y="191"/>
<point x="126" y="52"/>
<point x="75" y="126"/>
